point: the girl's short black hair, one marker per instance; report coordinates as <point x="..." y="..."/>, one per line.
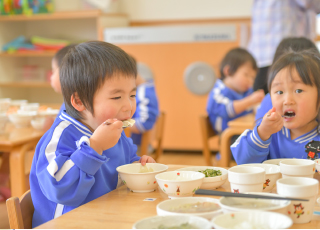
<point x="85" y="68"/>
<point x="305" y="62"/>
<point x="236" y="58"/>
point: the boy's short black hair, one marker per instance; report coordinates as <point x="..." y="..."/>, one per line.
<point x="61" y="53"/>
<point x="85" y="68"/>
<point x="236" y="58"/>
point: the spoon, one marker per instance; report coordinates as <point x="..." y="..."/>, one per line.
<point x="243" y="195"/>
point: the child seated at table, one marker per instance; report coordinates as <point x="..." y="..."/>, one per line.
<point x="295" y="44"/>
<point x="147" y="109"/>
<point x="232" y="95"/>
<point x="76" y="159"/>
<point x="291" y="126"/>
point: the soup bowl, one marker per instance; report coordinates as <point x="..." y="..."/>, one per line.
<point x="297" y="168"/>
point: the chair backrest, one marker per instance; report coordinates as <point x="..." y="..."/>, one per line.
<point x="20" y="212"/>
<point x="206" y="132"/>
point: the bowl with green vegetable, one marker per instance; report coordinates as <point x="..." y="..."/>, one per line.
<point x="214" y="176"/>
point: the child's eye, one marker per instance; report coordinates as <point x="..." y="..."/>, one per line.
<point x="299" y="90"/>
<point x="116" y="98"/>
<point x="133" y="96"/>
<point x="279" y="92"/>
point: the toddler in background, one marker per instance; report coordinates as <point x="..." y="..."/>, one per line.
<point x="76" y="159"/>
<point x="295" y="44"/>
<point x="147" y="109"/>
<point x="291" y="125"/>
<point x="232" y="96"/>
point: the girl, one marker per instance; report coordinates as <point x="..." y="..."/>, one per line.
<point x="291" y="126"/>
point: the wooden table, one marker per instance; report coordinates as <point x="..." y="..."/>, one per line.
<point x="120" y="209"/>
<point x="17" y="141"/>
<point x="235" y="127"/>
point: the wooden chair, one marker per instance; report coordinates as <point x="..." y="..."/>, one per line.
<point x="207" y="132"/>
<point x="20" y="212"/>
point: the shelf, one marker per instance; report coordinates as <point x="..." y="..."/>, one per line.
<point x="26" y="84"/>
<point x="29" y="54"/>
<point x="59" y="15"/>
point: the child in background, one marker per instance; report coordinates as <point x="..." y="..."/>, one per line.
<point x="55" y="79"/>
<point x="295" y="44"/>
<point x="292" y="124"/>
<point x="232" y="95"/>
<point x="147" y="109"/>
<point x="76" y="159"/>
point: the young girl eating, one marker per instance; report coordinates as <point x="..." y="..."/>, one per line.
<point x="290" y="129"/>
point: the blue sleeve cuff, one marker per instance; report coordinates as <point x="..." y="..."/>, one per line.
<point x="255" y="140"/>
<point x="87" y="159"/>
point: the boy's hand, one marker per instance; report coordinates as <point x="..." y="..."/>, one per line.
<point x="146" y="159"/>
<point x="272" y="122"/>
<point x="257" y="96"/>
<point x="106" y="136"/>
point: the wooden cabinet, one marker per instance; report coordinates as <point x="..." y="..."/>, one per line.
<point x="72" y="25"/>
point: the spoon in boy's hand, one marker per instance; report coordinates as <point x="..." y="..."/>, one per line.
<point x="126" y="123"/>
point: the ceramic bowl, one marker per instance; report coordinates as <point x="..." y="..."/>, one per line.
<point x="272" y="175"/>
<point x="49" y="112"/>
<point x="299" y="187"/>
<point x="275" y="161"/>
<point x="140" y="182"/>
<point x="252" y="220"/>
<point x="317" y="162"/>
<point x="22" y="118"/>
<point x="166" y="222"/>
<point x="179" y="183"/>
<point x="18" y="102"/>
<point x="38" y="122"/>
<point x="236" y="204"/>
<point x="4" y="104"/>
<point x="297" y="168"/>
<point x="196" y="206"/>
<point x="209" y="182"/>
<point x="246" y="179"/>
<point x="30" y="107"/>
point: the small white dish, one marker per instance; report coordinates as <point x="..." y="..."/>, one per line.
<point x="272" y="175"/>
<point x="209" y="182"/>
<point x="179" y="183"/>
<point x="246" y="179"/>
<point x="140" y="182"/>
<point x="165" y="222"/>
<point x="195" y="206"/>
<point x="252" y="220"/>
<point x="297" y="168"/>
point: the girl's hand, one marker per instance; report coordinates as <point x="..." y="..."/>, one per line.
<point x="272" y="122"/>
<point x="106" y="136"/>
<point x="146" y="159"/>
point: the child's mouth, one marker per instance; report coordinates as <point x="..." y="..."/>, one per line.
<point x="289" y="114"/>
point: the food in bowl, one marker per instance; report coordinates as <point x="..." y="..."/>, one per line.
<point x="252" y="220"/>
<point x="169" y="222"/>
<point x="145" y="169"/>
<point x="197" y="206"/>
<point x="179" y="183"/>
<point x="140" y="182"/>
<point x="210" y="182"/>
<point x="211" y="172"/>
<point x="235" y="204"/>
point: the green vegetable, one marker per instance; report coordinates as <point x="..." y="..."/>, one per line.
<point x="211" y="172"/>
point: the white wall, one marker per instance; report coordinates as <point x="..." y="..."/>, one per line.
<point x="145" y="10"/>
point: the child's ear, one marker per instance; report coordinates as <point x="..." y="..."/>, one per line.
<point x="225" y="70"/>
<point x="77" y="103"/>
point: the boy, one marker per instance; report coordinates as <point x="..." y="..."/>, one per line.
<point x="232" y="95"/>
<point x="76" y="159"/>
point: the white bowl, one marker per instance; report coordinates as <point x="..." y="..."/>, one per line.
<point x="317" y="162"/>
<point x="297" y="168"/>
<point x="209" y="182"/>
<point x="275" y="161"/>
<point x="30" y="107"/>
<point x="299" y="187"/>
<point x="252" y="220"/>
<point x="246" y="179"/>
<point x="179" y="183"/>
<point x="236" y="204"/>
<point x="272" y="175"/>
<point x="156" y="222"/>
<point x="49" y="112"/>
<point x="18" y="102"/>
<point x="22" y="118"/>
<point x="169" y="207"/>
<point x="4" y="104"/>
<point x="38" y="122"/>
<point x="3" y="122"/>
<point x="140" y="182"/>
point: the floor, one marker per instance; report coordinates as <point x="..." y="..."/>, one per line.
<point x="186" y="158"/>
